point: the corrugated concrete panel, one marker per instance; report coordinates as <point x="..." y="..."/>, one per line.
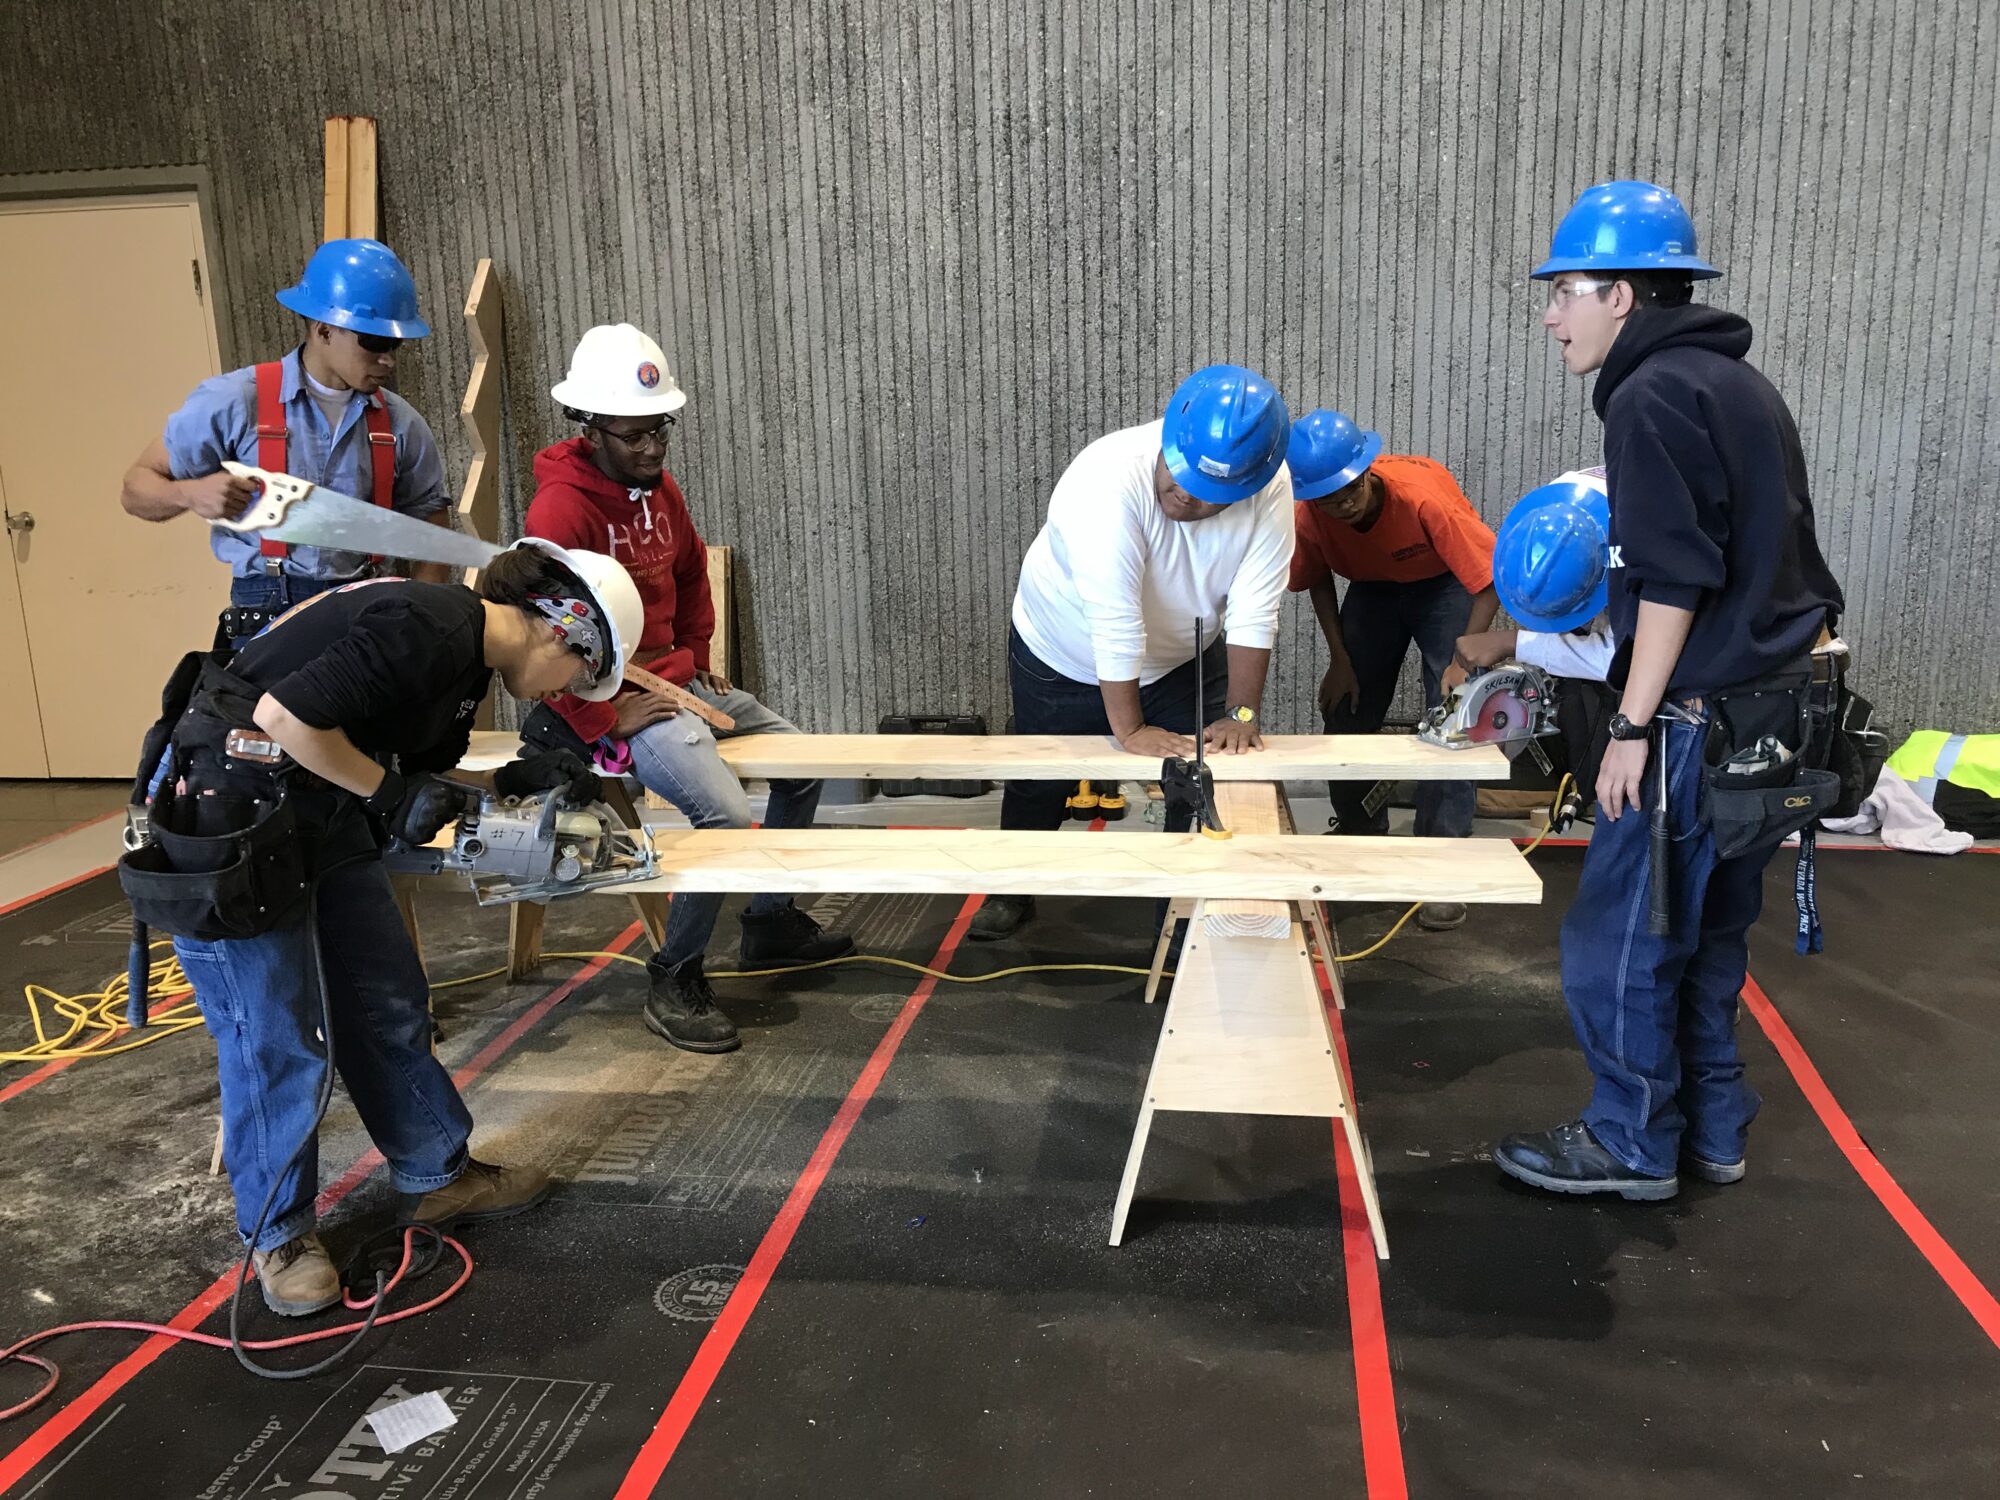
<point x="909" y="257"/>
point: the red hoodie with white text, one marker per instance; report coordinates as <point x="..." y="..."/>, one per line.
<point x="652" y="534"/>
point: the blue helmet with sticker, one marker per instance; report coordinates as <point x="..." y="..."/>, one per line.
<point x="1225" y="434"/>
<point x="1551" y="559"/>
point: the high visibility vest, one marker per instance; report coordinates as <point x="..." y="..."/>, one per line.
<point x="1931" y="755"/>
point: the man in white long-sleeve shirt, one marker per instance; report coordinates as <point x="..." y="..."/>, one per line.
<point x="1153" y="532"/>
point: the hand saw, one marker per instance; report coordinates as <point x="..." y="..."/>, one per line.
<point x="680" y="697"/>
<point x="290" y="509"/>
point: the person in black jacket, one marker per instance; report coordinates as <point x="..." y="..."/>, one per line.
<point x="1717" y="581"/>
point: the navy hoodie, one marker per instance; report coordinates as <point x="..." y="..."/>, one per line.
<point x="1709" y="507"/>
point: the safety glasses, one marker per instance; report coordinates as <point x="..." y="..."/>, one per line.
<point x="1563" y="293"/>
<point x="638" y="442"/>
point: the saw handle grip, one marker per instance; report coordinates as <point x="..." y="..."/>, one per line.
<point x="276" y="494"/>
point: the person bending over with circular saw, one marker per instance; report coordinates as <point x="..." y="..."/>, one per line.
<point x="324" y="413"/>
<point x="1718" y="593"/>
<point x="609" y="488"/>
<point x="1419" y="565"/>
<point x="1153" y="532"/>
<point x="313" y="745"/>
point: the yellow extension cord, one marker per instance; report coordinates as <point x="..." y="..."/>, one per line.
<point x="94" y="1019"/>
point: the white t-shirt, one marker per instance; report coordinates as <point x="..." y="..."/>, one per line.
<point x="1585" y="654"/>
<point x="1110" y="589"/>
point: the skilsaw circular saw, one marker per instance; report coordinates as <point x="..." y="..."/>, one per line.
<point x="1510" y="706"/>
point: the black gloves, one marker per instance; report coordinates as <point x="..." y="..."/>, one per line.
<point x="413" y="809"/>
<point x="548" y="771"/>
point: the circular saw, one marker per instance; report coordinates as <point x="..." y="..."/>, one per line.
<point x="1508" y="706"/>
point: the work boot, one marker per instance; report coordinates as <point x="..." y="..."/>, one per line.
<point x="479" y="1193"/>
<point x="1000" y="916"/>
<point x="789" y="936"/>
<point x="298" y="1277"/>
<point x="1721" y="1173"/>
<point x="1441" y="916"/>
<point x="1568" y="1159"/>
<point x="682" y="1009"/>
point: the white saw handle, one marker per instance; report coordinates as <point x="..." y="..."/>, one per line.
<point x="276" y="494"/>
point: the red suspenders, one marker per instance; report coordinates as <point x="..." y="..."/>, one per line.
<point x="272" y="445"/>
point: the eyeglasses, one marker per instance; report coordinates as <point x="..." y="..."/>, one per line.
<point x="652" y="437"/>
<point x="375" y="343"/>
<point x="1563" y="293"/>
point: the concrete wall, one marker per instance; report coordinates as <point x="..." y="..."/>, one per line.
<point x="908" y="257"/>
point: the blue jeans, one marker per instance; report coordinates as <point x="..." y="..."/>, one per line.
<point x="1657" y="1016"/>
<point x="1046" y="702"/>
<point x="1378" y="621"/>
<point x="277" y="593"/>
<point x="262" y="1007"/>
<point x="677" y="760"/>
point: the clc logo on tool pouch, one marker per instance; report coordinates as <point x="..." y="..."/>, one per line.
<point x="1798" y="802"/>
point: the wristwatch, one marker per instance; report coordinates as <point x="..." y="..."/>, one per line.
<point x="1244" y="714"/>
<point x="1623" y="728"/>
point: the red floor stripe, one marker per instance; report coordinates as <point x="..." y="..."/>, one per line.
<point x="688" y="1396"/>
<point x="1374" y="1387"/>
<point x="55" y="890"/>
<point x="1968" y="1288"/>
<point x="43" y="1441"/>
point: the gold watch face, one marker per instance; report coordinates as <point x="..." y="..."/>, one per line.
<point x="1243" y="715"/>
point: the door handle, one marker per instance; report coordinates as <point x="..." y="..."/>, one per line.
<point x="23" y="522"/>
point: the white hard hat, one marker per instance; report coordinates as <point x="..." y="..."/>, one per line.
<point x="618" y="372"/>
<point x="618" y="608"/>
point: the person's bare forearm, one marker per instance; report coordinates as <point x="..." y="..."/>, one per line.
<point x="1656" y="646"/>
<point x="1121" y="707"/>
<point x="1326" y="609"/>
<point x="151" y="495"/>
<point x="1485" y="605"/>
<point x="1247" y="668"/>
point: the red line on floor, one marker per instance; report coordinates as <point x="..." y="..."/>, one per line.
<point x="43" y="1441"/>
<point x="55" y="890"/>
<point x="1374" y="1387"/>
<point x="1968" y="1288"/>
<point x="688" y="1396"/>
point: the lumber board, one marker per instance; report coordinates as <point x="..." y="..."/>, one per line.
<point x="962" y="861"/>
<point x="362" y="197"/>
<point x="1248" y="807"/>
<point x="479" y="410"/>
<point x="334" y="197"/>
<point x="720" y="566"/>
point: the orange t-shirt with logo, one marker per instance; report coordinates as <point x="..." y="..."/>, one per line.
<point x="1426" y="527"/>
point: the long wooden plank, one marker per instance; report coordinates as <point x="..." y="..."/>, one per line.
<point x="333" y="200"/>
<point x="1248" y="807"/>
<point x="479" y="409"/>
<point x="362" y="195"/>
<point x="958" y="861"/>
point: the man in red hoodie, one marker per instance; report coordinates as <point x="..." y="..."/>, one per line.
<point x="608" y="490"/>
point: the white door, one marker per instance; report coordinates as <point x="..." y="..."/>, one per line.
<point x="96" y="607"/>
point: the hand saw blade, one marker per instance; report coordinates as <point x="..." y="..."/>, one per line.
<point x="290" y="509"/>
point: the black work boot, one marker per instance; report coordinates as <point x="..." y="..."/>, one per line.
<point x="1000" y="916"/>
<point x="1568" y="1159"/>
<point x="682" y="1009"/>
<point x="789" y="936"/>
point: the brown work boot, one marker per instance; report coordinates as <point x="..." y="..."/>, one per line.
<point x="481" y="1192"/>
<point x="298" y="1277"/>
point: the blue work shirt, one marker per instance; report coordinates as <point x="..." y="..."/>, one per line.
<point x="219" y="421"/>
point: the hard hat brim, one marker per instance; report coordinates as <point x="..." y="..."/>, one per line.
<point x="1212" y="491"/>
<point x="1371" y="449"/>
<point x="296" y="299"/>
<point x="1697" y="268"/>
<point x="578" y="397"/>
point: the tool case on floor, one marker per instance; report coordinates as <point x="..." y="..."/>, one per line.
<point x="932" y="724"/>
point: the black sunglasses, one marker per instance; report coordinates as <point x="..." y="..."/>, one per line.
<point x="375" y="343"/>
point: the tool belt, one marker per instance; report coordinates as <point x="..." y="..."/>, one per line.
<point x="1764" y="761"/>
<point x="219" y="851"/>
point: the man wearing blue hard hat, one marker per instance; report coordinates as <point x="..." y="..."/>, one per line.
<point x="322" y="412"/>
<point x="1716" y="594"/>
<point x="1153" y="532"/>
<point x="1551" y="569"/>
<point x="1418" y="561"/>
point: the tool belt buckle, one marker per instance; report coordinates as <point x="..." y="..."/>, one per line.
<point x="240" y="745"/>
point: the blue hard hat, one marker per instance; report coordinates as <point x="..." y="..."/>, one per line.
<point x="1625" y="226"/>
<point x="1551" y="559"/>
<point x="1328" y="452"/>
<point x="358" y="284"/>
<point x="1225" y="434"/>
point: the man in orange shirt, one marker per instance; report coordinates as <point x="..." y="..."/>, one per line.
<point x="1419" y="565"/>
